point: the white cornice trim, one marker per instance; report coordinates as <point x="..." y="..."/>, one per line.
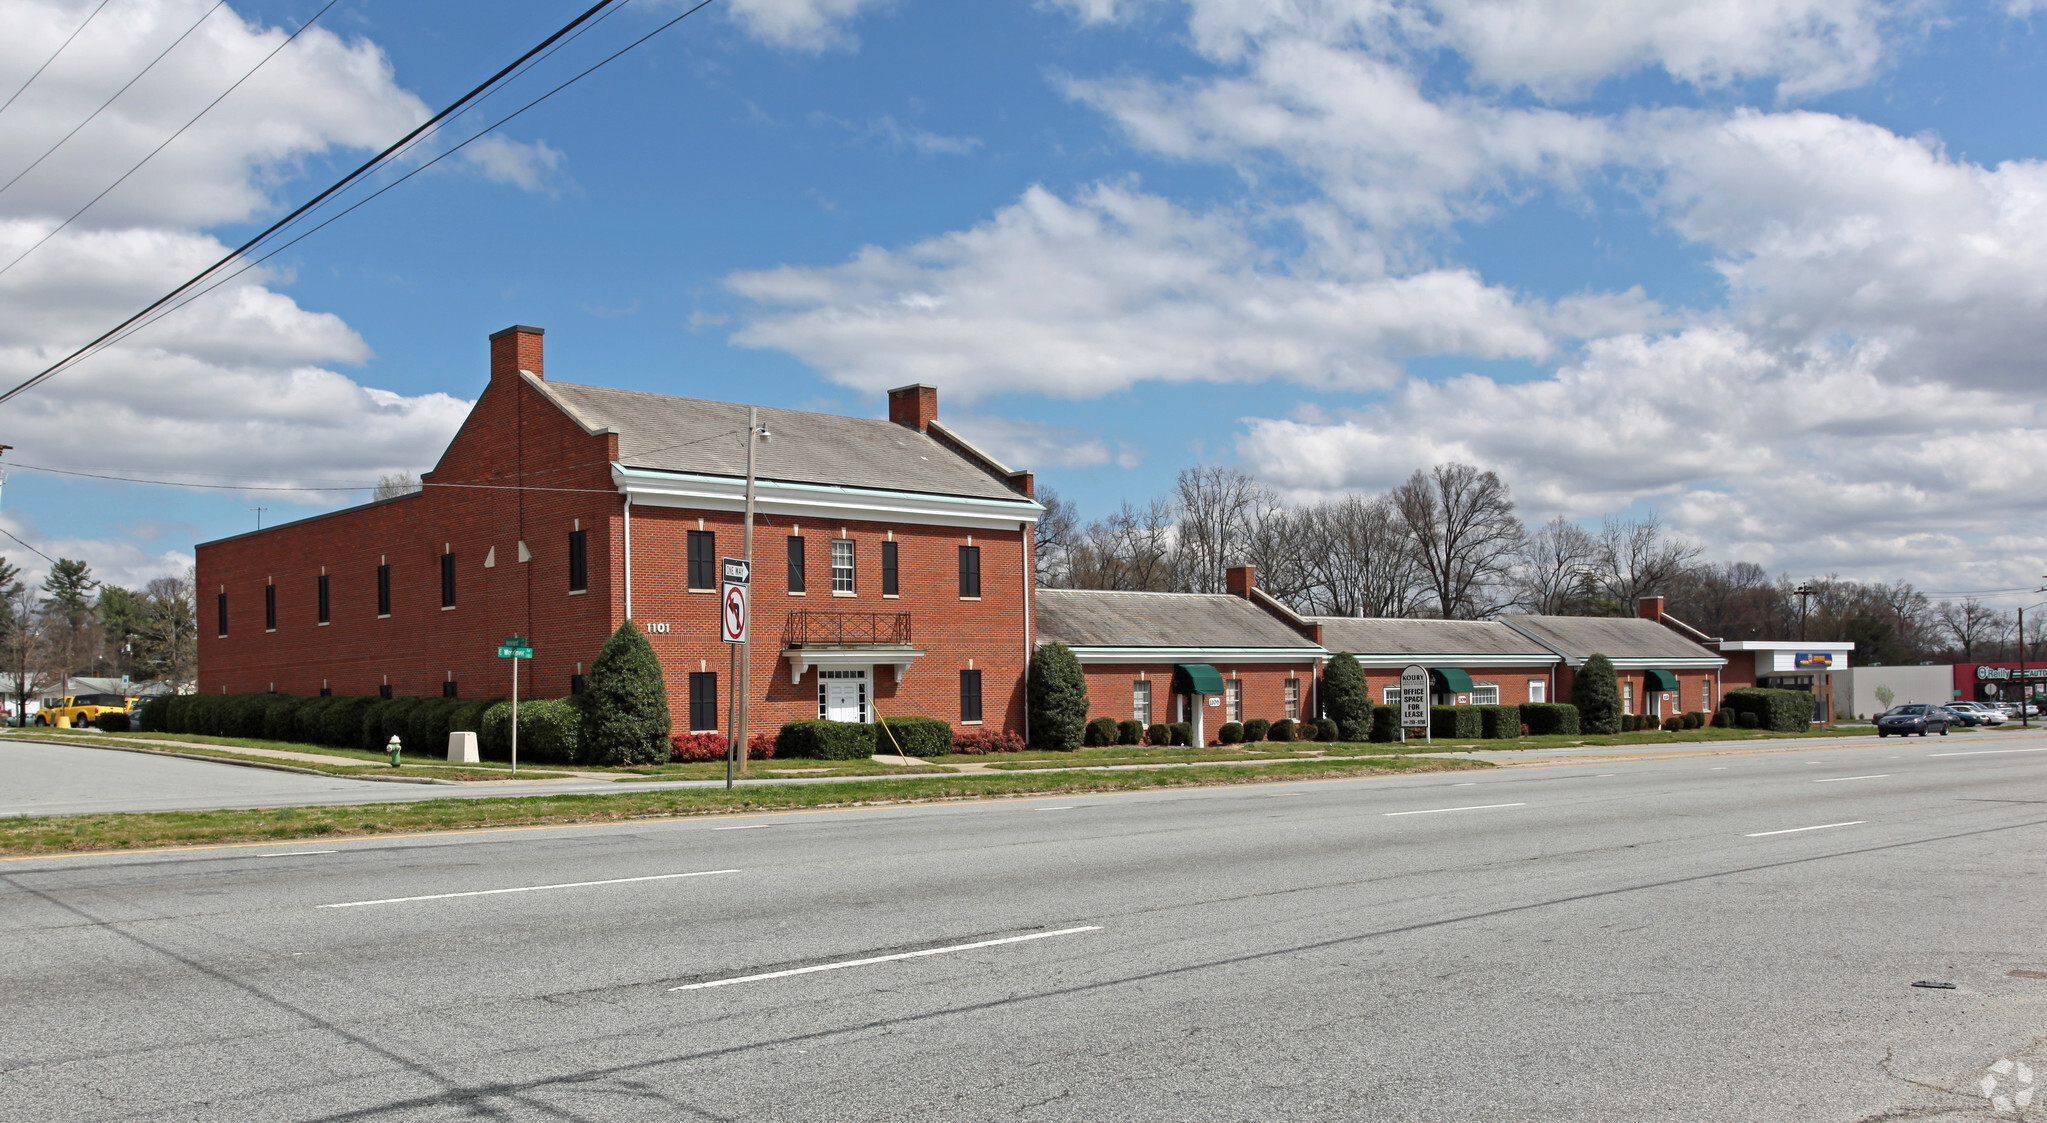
<point x="1782" y="645"/>
<point x="1459" y="661"/>
<point x="820" y="501"/>
<point x="801" y="659"/>
<point x="1196" y="654"/>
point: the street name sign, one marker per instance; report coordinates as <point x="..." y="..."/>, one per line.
<point x="516" y="647"/>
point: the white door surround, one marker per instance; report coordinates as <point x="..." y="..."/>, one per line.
<point x="842" y="694"/>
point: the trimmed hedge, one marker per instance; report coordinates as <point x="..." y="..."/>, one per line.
<point x="1256" y="730"/>
<point x="1723" y="718"/>
<point x="550" y="730"/>
<point x="1456" y="722"/>
<point x="1673" y="723"/>
<point x="1055" y="698"/>
<point x="825" y="740"/>
<point x="1780" y="711"/>
<point x="1182" y="733"/>
<point x="917" y="736"/>
<point x="1344" y="694"/>
<point x="1282" y="730"/>
<point x="1327" y="730"/>
<point x="156" y="714"/>
<point x="974" y="742"/>
<point x="1232" y="733"/>
<point x="1385" y="725"/>
<point x="1101" y="733"/>
<point x="1499" y="723"/>
<point x="1307" y="731"/>
<point x="113" y="721"/>
<point x="1158" y="734"/>
<point x="1744" y="719"/>
<point x="1548" y="718"/>
<point x="1130" y="733"/>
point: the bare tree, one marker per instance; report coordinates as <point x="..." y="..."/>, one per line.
<point x="1360" y="558"/>
<point x="1636" y="560"/>
<point x="1461" y="521"/>
<point x="1279" y="542"/>
<point x="1054" y="539"/>
<point x="24" y="645"/>
<point x="1130" y="550"/>
<point x="1550" y="567"/>
<point x="1970" y="624"/>
<point x="394" y="485"/>
<point x="1217" y="506"/>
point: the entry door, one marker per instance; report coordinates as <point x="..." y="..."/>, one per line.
<point x="842" y="696"/>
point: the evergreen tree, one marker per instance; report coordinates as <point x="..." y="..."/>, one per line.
<point x="625" y="704"/>
<point x="1346" y="697"/>
<point x="1597" y="694"/>
<point x="1057" y="698"/>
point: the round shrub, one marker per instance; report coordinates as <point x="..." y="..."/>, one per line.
<point x="1673" y="723"/>
<point x="1746" y="720"/>
<point x="1232" y="733"/>
<point x="1307" y="731"/>
<point x="310" y="716"/>
<point x="826" y="740"/>
<point x="1282" y="730"/>
<point x="548" y="730"/>
<point x="1385" y="725"/>
<point x="1130" y="733"/>
<point x="1723" y="719"/>
<point x="494" y="737"/>
<point x="1101" y="733"/>
<point x="1182" y="733"/>
<point x="113" y="721"/>
<point x="1158" y="734"/>
<point x="1256" y="730"/>
<point x="246" y="718"/>
<point x="1326" y="730"/>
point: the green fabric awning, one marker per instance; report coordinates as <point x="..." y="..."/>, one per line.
<point x="1449" y="680"/>
<point x="1196" y="678"/>
<point x="1661" y="681"/>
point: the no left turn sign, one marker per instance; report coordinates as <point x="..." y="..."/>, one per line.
<point x="732" y="621"/>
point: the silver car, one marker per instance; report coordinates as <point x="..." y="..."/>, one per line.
<point x="1976" y="713"/>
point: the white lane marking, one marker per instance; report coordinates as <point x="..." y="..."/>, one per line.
<point x="1984" y="752"/>
<point x="744" y="827"/>
<point x="1838" y="779"/>
<point x="295" y="853"/>
<point x="1466" y="784"/>
<point x="884" y="958"/>
<point x="1821" y="827"/>
<point x="1721" y="768"/>
<point x="1061" y="807"/>
<point x="523" y="889"/>
<point x="1440" y="810"/>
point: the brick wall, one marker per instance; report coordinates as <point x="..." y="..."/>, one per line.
<point x="1512" y="681"/>
<point x="1691" y="693"/>
<point x="1110" y="690"/>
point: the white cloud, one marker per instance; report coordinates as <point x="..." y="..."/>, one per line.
<point x="1807" y="461"/>
<point x="804" y="25"/>
<point x="534" y="166"/>
<point x="1089" y="296"/>
<point x="1034" y="445"/>
<point x="115" y="561"/>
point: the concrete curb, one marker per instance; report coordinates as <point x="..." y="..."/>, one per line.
<point x="242" y="762"/>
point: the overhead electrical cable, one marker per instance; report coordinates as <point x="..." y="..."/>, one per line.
<point x="167" y="140"/>
<point x="29" y="548"/>
<point x="117" y="95"/>
<point x="53" y="58"/>
<point x="345" y="181"/>
<point x="182" y="295"/>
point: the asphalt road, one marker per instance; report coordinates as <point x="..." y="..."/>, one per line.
<point x="1731" y="938"/>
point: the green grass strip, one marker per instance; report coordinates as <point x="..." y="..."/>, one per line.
<point x="54" y="834"/>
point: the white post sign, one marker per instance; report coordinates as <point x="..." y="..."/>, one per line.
<point x="732" y="617"/>
<point x="1414" y="701"/>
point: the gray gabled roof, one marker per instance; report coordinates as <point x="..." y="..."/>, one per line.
<point x="1183" y="621"/>
<point x="1616" y="637"/>
<point x="1386" y="636"/>
<point x="665" y="433"/>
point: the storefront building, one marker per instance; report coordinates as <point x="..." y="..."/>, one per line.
<point x="1999" y="682"/>
<point x="1661" y="673"/>
<point x="1470" y="662"/>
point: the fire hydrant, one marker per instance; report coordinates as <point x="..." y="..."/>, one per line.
<point x="394" y="749"/>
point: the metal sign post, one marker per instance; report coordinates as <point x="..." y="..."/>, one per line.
<point x="1414" y="702"/>
<point x="736" y="575"/>
<point x="515" y="648"/>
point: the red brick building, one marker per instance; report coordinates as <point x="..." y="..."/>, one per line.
<point x="1661" y="672"/>
<point x="892" y="561"/>
<point x="1201" y="658"/>
<point x="1470" y="662"/>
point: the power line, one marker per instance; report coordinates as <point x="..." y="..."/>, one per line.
<point x="117" y="94"/>
<point x="53" y="58"/>
<point x="323" y="196"/>
<point x="150" y="315"/>
<point x="29" y="548"/>
<point x="289" y="39"/>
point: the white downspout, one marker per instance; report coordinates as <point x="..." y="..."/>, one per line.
<point x="628" y="555"/>
<point x="1029" y="583"/>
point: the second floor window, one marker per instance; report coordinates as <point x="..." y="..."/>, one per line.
<point x="795" y="563"/>
<point x="970" y="571"/>
<point x="703" y="560"/>
<point x="579" y="560"/>
<point x="325" y="614"/>
<point x="842" y="565"/>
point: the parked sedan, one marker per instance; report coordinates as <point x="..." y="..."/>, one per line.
<point x="1918" y="717"/>
<point x="1976" y="713"/>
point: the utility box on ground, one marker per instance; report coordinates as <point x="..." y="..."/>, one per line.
<point x="462" y="748"/>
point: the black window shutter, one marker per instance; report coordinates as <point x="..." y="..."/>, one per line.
<point x="970" y="571"/>
<point x="703" y="700"/>
<point x="970" y="696"/>
<point x="383" y="590"/>
<point x="223" y="613"/>
<point x="703" y="567"/>
<point x="448" y="580"/>
<point x="889" y="585"/>
<point x="795" y="563"/>
<point x="325" y="603"/>
<point x="269" y="608"/>
<point x="579" y="560"/>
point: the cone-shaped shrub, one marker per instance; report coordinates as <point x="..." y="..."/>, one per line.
<point x="625" y="704"/>
<point x="1344" y="694"/>
<point x="1057" y="699"/>
<point x="1597" y="694"/>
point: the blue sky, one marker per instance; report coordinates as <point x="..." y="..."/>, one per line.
<point x="1771" y="270"/>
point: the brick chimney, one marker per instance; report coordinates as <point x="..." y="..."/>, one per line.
<point x="1240" y="580"/>
<point x="915" y="406"/>
<point x="1650" y="608"/>
<point x="515" y="349"/>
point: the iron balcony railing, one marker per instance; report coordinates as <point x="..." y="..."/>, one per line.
<point x="847" y="629"/>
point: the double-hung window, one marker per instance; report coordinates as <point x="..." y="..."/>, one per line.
<point x="326" y="614"/>
<point x="795" y="563"/>
<point x="970" y="696"/>
<point x="1140" y="701"/>
<point x="1233" y="700"/>
<point x="703" y="701"/>
<point x="1538" y="690"/>
<point x="579" y="561"/>
<point x="842" y="565"/>
<point x="889" y="584"/>
<point x="1293" y="698"/>
<point x="1392" y="695"/>
<point x="703" y="560"/>
<point x="970" y="571"/>
<point x="1485" y="693"/>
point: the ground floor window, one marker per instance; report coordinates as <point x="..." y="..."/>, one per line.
<point x="1233" y="700"/>
<point x="842" y="696"/>
<point x="970" y="695"/>
<point x="1627" y="697"/>
<point x="1140" y="702"/>
<point x="703" y="701"/>
<point x="1392" y="695"/>
<point x="1485" y="693"/>
<point x="1706" y="696"/>
<point x="1538" y="690"/>
<point x="1293" y="698"/>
